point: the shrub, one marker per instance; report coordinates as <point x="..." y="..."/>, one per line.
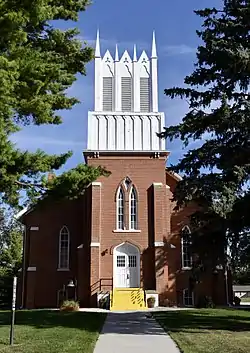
<point x="104" y="303"/>
<point x="205" y="302"/>
<point x="69" y="305"/>
<point x="237" y="301"/>
<point x="151" y="302"/>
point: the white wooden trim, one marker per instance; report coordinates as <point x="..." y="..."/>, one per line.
<point x="157" y="184"/>
<point x="34" y="228"/>
<point x="167" y="187"/>
<point x="95" y="245"/>
<point x="31" y="269"/>
<point x="126" y="231"/>
<point x="159" y="243"/>
<point x="96" y="183"/>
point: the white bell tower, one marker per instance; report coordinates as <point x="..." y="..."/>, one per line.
<point x="125" y="116"/>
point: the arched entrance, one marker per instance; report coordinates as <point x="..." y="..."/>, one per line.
<point x="126" y="266"/>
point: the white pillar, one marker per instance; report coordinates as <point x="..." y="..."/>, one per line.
<point x="136" y="84"/>
<point x="154" y="78"/>
<point x="117" y="85"/>
<point x="98" y="75"/>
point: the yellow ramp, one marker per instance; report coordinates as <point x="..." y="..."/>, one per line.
<point x="127" y="299"/>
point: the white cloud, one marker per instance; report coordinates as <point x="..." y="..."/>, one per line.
<point x="179" y="49"/>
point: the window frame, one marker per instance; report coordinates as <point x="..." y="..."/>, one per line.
<point x="133" y="191"/>
<point x="187" y="290"/>
<point x="64" y="230"/>
<point x="120" y="191"/>
<point x="183" y="265"/>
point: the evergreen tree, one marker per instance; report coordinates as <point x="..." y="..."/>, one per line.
<point x="38" y="63"/>
<point x="216" y="174"/>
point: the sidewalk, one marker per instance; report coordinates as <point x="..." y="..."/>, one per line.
<point x="133" y="332"/>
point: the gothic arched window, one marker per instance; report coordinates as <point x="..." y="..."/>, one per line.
<point x="133" y="209"/>
<point x="63" y="262"/>
<point x="186" y="242"/>
<point x="120" y="208"/>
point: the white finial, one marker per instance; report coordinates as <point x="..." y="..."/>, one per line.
<point x="116" y="53"/>
<point x="154" y="53"/>
<point x="135" y="54"/>
<point x="97" y="46"/>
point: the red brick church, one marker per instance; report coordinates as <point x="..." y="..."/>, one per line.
<point x="124" y="231"/>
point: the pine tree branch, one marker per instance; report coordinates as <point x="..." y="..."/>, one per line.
<point x="30" y="185"/>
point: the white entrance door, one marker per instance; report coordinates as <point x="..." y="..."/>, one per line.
<point x="126" y="266"/>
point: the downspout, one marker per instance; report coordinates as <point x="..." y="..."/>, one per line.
<point x="226" y="282"/>
<point x="23" y="267"/>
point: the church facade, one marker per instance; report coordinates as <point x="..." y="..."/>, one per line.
<point x="124" y="232"/>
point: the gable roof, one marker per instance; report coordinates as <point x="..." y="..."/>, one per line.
<point x="173" y="175"/>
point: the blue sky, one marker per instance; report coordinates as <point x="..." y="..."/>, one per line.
<point x="126" y="23"/>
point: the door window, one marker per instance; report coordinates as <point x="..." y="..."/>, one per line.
<point x="120" y="261"/>
<point x="132" y="261"/>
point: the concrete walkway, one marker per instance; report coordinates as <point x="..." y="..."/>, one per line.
<point x="133" y="332"/>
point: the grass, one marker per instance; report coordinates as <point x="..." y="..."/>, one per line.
<point x="208" y="330"/>
<point x="44" y="331"/>
<point x="245" y="300"/>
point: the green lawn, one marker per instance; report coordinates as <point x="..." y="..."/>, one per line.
<point x="245" y="300"/>
<point x="208" y="330"/>
<point x="42" y="331"/>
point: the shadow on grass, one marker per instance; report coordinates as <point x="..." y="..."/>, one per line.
<point x="229" y="320"/>
<point x="91" y="322"/>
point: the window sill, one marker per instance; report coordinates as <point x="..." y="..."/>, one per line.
<point x="126" y="231"/>
<point x="63" y="269"/>
<point x="186" y="268"/>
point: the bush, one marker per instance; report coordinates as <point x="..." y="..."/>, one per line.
<point x="205" y="302"/>
<point x="151" y="302"/>
<point x="237" y="301"/>
<point x="69" y="305"/>
<point x="104" y="303"/>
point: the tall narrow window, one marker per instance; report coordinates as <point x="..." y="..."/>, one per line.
<point x="107" y="94"/>
<point x="188" y="297"/>
<point x="133" y="209"/>
<point x="64" y="249"/>
<point x="126" y="94"/>
<point x="186" y="242"/>
<point x="144" y="94"/>
<point x="120" y="209"/>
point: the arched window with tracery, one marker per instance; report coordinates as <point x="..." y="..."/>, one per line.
<point x="64" y="240"/>
<point x="120" y="209"/>
<point x="133" y="208"/>
<point x="186" y="242"/>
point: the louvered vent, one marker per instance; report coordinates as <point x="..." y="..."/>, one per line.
<point x="144" y="95"/>
<point x="126" y="94"/>
<point x="108" y="94"/>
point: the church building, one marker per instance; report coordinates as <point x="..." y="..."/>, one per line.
<point x="124" y="234"/>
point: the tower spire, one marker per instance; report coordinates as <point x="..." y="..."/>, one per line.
<point x="154" y="52"/>
<point x="135" y="54"/>
<point x="116" y="53"/>
<point x="97" y="46"/>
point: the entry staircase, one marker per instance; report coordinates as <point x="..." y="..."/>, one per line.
<point x="122" y="299"/>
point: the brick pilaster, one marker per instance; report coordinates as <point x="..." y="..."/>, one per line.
<point x="96" y="212"/>
<point x="159" y="219"/>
